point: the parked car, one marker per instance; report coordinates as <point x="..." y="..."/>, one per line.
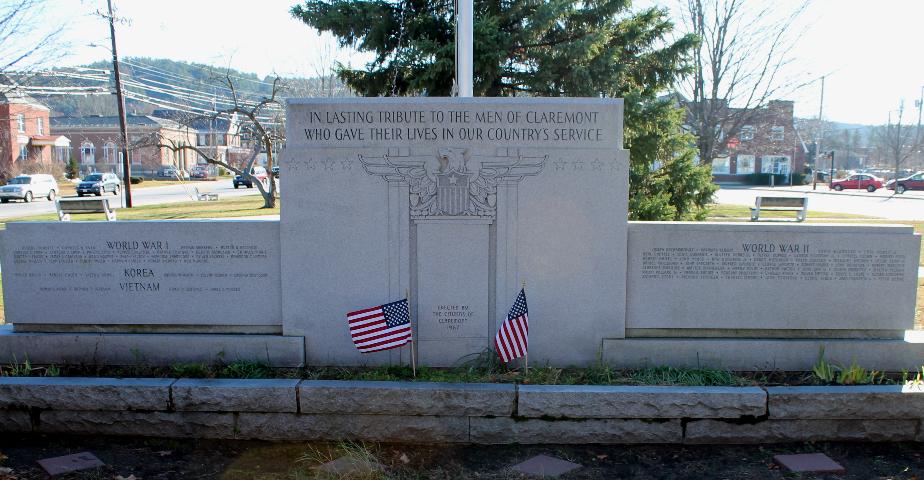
<point x="199" y="171"/>
<point x="912" y="182"/>
<point x="257" y="172"/>
<point x="276" y="171"/>
<point x="27" y="187"/>
<point x="863" y="181"/>
<point x="172" y="172"/>
<point x="98" y="184"/>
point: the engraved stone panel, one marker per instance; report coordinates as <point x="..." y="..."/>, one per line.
<point x="719" y="276"/>
<point x="142" y="273"/>
<point x="458" y="201"/>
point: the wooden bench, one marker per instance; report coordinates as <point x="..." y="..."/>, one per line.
<point x="68" y="206"/>
<point x="780" y="204"/>
<point x="205" y="197"/>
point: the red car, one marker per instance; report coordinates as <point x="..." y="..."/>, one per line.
<point x="913" y="182"/>
<point x="857" y="181"/>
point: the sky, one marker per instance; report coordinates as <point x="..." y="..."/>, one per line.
<point x="866" y="50"/>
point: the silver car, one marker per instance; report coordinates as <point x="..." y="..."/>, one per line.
<point x="27" y="187"/>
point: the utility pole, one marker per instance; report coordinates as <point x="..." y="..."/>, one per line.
<point x="126" y="163"/>
<point x="821" y="134"/>
<point x="465" y="29"/>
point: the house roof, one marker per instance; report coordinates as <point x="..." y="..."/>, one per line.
<point x="16" y="97"/>
<point x="199" y="123"/>
<point x="111" y="121"/>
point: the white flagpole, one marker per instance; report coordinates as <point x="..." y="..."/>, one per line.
<point x="407" y="296"/>
<point x="465" y="35"/>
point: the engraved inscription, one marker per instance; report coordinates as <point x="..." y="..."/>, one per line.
<point x="773" y="261"/>
<point x="452" y="317"/>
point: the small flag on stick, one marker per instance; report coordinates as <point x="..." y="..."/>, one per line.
<point x="512" y="339"/>
<point x="380" y="328"/>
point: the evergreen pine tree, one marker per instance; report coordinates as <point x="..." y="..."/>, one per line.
<point x="552" y="48"/>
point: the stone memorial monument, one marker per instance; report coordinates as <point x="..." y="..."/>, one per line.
<point x="457" y="201"/>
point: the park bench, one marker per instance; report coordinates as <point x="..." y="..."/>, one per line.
<point x="205" y="197"/>
<point x="68" y="206"/>
<point x="780" y="204"/>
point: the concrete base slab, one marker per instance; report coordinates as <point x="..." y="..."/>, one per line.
<point x="763" y="354"/>
<point x="545" y="466"/>
<point x="148" y="349"/>
<point x="808" y="463"/>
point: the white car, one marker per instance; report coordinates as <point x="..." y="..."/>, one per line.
<point x="27" y="187"/>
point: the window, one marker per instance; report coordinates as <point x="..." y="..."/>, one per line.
<point x="87" y="153"/>
<point x="747" y="133"/>
<point x="777" y="133"/>
<point x="40" y="125"/>
<point x="777" y="164"/>
<point x="23" y="153"/>
<point x="745" y="164"/>
<point x="21" y="123"/>
<point x="202" y="140"/>
<point x="720" y="165"/>
<point x="109" y="153"/>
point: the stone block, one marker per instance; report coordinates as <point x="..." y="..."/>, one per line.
<point x="781" y="431"/>
<point x="590" y="401"/>
<point x="143" y="424"/>
<point x="458" y="200"/>
<point x="15" y="421"/>
<point x="846" y="402"/>
<point x="148" y="349"/>
<point x="499" y="430"/>
<point x="232" y="395"/>
<point x="729" y="276"/>
<point x="408" y="398"/>
<point x="762" y="354"/>
<point x="73" y="393"/>
<point x="141" y="273"/>
<point x="376" y="428"/>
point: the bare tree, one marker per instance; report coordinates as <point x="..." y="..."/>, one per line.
<point x="27" y="37"/>
<point x="737" y="69"/>
<point x="899" y="142"/>
<point x="260" y="122"/>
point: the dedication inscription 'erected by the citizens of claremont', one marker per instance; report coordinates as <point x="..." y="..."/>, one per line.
<point x="456" y="201"/>
<point x="144" y="273"/>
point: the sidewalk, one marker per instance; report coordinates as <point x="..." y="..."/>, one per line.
<point x="823" y="190"/>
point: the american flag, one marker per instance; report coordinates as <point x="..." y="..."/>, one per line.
<point x="380" y="328"/>
<point x="512" y="339"/>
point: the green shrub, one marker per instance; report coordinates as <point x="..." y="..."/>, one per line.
<point x="245" y="369"/>
<point x="190" y="370"/>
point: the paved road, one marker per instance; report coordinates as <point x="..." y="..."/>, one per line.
<point x="882" y="203"/>
<point x="140" y="196"/>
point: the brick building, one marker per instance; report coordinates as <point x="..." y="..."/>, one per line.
<point x="767" y="142"/>
<point x="25" y="134"/>
<point x="96" y="143"/>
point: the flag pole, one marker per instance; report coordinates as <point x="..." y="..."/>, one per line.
<point x="407" y="296"/>
<point x="526" y="356"/>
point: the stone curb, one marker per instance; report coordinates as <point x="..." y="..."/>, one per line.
<point x="458" y="413"/>
<point x="407" y="398"/>
<point x="233" y="395"/>
<point x="580" y="401"/>
<point x="90" y="394"/>
<point x="846" y="402"/>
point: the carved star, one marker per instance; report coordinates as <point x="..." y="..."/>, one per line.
<point x="596" y="164"/>
<point x="560" y="164"/>
<point x="453" y="179"/>
<point x="578" y="164"/>
<point x="346" y="165"/>
<point x="294" y="165"/>
<point x="311" y="164"/>
<point x="328" y="164"/>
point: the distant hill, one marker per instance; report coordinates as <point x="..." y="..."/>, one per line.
<point x="161" y="83"/>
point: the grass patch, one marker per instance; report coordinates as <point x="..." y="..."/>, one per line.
<point x="722" y="212"/>
<point x="246" y="206"/>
